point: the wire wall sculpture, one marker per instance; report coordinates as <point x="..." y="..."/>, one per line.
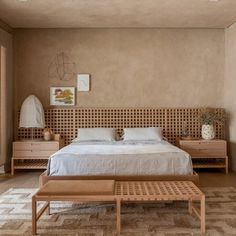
<point x="62" y="68"/>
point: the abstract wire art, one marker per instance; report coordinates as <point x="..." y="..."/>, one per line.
<point x="61" y="67"/>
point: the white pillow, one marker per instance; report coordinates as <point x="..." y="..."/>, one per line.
<point x="96" y="134"/>
<point x="143" y="134"/>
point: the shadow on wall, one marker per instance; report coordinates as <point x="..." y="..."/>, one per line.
<point x="232" y="155"/>
<point x="231" y="144"/>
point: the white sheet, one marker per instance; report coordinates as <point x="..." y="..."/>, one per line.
<point x="120" y="158"/>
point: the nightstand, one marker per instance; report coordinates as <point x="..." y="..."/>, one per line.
<point x="206" y="153"/>
<point x="33" y="154"/>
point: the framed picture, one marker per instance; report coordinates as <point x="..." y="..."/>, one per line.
<point x="83" y="82"/>
<point x="62" y="96"/>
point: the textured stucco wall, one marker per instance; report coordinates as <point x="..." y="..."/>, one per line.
<point x="230" y="88"/>
<point x="128" y="67"/>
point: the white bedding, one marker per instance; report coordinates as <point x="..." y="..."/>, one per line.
<point x="120" y="158"/>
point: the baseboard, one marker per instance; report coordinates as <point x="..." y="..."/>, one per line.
<point x="8" y="167"/>
<point x="5" y="168"/>
<point x="2" y="169"/>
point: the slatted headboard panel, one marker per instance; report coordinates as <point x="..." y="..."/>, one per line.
<point x="172" y="120"/>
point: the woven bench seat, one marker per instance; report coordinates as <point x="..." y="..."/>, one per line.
<point x="157" y="190"/>
<point x="119" y="191"/>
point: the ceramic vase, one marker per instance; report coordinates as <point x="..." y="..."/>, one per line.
<point x="47" y="135"/>
<point x="208" y="132"/>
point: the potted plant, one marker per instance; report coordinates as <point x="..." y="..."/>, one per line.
<point x="208" y="117"/>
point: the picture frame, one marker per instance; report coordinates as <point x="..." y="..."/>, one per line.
<point x="83" y="82"/>
<point x="62" y="96"/>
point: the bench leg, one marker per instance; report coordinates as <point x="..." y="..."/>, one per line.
<point x="48" y="209"/>
<point x="118" y="222"/>
<point x="34" y="216"/>
<point x="226" y="165"/>
<point x="190" y="206"/>
<point x="203" y="217"/>
<point x="12" y="166"/>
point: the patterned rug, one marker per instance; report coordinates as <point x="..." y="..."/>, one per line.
<point x="159" y="219"/>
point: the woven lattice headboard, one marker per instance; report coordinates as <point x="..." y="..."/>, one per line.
<point x="172" y="120"/>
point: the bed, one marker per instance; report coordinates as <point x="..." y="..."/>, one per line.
<point x="120" y="160"/>
<point x="66" y="121"/>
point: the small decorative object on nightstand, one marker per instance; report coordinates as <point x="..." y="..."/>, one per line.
<point x="47" y="134"/>
<point x="206" y="153"/>
<point x="33" y="154"/>
<point x="208" y="117"/>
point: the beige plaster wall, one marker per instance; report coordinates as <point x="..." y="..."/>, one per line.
<point x="128" y="67"/>
<point x="230" y="88"/>
<point x="6" y="98"/>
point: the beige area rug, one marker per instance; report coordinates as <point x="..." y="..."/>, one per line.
<point x="138" y="220"/>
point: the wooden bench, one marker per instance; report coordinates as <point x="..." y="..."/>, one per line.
<point x="119" y="191"/>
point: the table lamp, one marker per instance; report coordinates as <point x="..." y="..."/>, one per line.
<point x="32" y="114"/>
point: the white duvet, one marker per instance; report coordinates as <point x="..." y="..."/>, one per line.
<point x="120" y="158"/>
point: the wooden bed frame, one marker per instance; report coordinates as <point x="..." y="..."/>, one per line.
<point x="172" y="120"/>
<point x="44" y="178"/>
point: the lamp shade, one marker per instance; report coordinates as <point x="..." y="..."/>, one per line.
<point x="32" y="113"/>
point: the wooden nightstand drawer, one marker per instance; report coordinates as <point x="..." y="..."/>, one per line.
<point x="198" y="145"/>
<point x="33" y="153"/>
<point x="20" y="146"/>
<point x="205" y="152"/>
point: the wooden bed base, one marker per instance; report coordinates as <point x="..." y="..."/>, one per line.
<point x="44" y="178"/>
